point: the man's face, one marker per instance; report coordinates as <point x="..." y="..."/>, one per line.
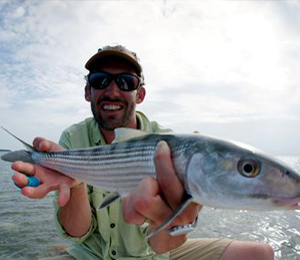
<point x="112" y="107"/>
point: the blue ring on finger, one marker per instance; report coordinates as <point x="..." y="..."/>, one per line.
<point x="33" y="181"/>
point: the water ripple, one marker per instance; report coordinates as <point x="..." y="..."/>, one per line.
<point x="27" y="228"/>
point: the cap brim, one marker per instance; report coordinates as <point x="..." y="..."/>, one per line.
<point x="96" y="59"/>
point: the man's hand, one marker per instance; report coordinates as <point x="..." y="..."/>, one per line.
<point x="49" y="180"/>
<point x="155" y="200"/>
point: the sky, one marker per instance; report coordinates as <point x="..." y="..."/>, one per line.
<point x="228" y="69"/>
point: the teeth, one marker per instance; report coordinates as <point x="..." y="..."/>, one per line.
<point x="111" y="107"/>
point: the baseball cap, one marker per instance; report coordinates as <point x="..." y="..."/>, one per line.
<point x="114" y="51"/>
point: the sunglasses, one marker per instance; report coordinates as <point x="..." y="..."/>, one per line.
<point x="124" y="81"/>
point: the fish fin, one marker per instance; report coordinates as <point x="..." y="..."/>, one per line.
<point x="187" y="200"/>
<point x="109" y="199"/>
<point x="123" y="134"/>
<point x="28" y="146"/>
<point x="182" y="230"/>
<point x="21" y="155"/>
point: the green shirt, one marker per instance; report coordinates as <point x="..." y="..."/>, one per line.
<point x="109" y="237"/>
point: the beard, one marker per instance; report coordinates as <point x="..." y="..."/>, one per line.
<point x="110" y="123"/>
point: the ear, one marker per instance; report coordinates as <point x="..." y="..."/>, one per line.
<point x="87" y="93"/>
<point x="140" y="95"/>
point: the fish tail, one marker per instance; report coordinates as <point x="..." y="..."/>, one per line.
<point x="28" y="146"/>
<point x="21" y="155"/>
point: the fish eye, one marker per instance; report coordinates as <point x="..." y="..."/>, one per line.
<point x="248" y="168"/>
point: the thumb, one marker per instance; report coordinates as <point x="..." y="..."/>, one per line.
<point x="64" y="195"/>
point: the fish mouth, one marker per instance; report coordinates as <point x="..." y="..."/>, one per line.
<point x="289" y="203"/>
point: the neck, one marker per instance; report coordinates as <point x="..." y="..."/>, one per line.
<point x="109" y="135"/>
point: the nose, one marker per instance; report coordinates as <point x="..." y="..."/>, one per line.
<point x="112" y="88"/>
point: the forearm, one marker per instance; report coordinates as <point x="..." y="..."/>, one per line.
<point x="76" y="216"/>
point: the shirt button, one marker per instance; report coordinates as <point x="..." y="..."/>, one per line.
<point x="113" y="252"/>
<point x="112" y="225"/>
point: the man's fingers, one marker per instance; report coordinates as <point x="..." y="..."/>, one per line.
<point x="64" y="195"/>
<point x="49" y="181"/>
<point x="20" y="180"/>
<point x="145" y="203"/>
<point x="43" y="145"/>
<point x="35" y="192"/>
<point x="149" y="202"/>
<point x="171" y="187"/>
<point x="42" y="190"/>
<point x="139" y="200"/>
<point x="131" y="215"/>
<point x="169" y="183"/>
<point x="25" y="168"/>
<point x="190" y="213"/>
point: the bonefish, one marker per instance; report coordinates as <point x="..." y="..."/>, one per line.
<point x="214" y="172"/>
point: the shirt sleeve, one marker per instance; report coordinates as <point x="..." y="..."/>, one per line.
<point x="65" y="141"/>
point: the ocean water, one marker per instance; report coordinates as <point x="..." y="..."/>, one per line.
<point x="27" y="228"/>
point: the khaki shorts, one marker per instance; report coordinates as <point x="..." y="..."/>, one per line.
<point x="192" y="249"/>
<point x="200" y="249"/>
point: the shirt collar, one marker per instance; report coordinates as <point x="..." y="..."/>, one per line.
<point x="97" y="137"/>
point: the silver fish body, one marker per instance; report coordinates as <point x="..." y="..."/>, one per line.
<point x="214" y="172"/>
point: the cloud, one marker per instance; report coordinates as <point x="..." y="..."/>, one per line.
<point x="207" y="63"/>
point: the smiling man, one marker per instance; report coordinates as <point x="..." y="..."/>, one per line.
<point x="114" y="86"/>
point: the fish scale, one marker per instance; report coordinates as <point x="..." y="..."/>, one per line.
<point x="115" y="168"/>
<point x="214" y="172"/>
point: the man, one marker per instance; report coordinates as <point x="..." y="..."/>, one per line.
<point x="115" y="85"/>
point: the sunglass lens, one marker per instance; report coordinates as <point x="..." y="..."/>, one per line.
<point x="128" y="82"/>
<point x="99" y="80"/>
